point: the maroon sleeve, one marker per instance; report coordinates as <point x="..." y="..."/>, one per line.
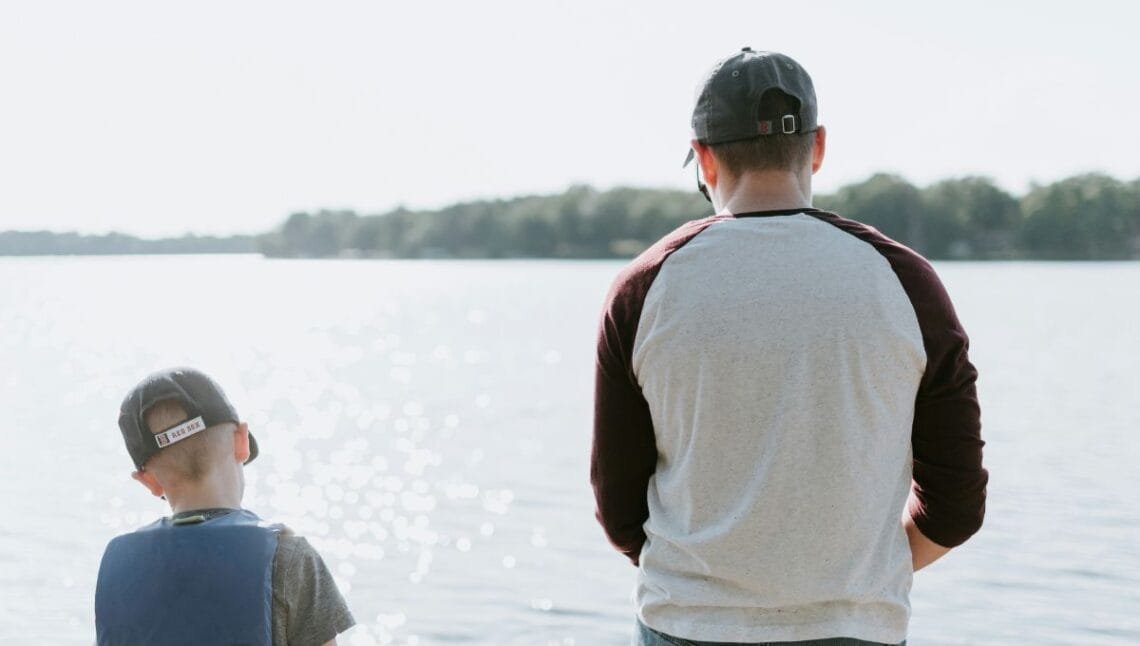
<point x="948" y="495"/>
<point x="624" y="452"/>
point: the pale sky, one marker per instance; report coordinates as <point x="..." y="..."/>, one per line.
<point x="158" y="118"/>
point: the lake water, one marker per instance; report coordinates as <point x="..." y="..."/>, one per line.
<point x="426" y="424"/>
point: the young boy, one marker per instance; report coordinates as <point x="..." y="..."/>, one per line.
<point x="211" y="573"/>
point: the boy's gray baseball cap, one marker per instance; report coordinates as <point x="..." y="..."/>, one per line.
<point x="728" y="106"/>
<point x="201" y="397"/>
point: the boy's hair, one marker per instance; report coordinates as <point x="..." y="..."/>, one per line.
<point x="768" y="152"/>
<point x="195" y="457"/>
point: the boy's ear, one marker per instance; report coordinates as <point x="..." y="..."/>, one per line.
<point x="150" y="482"/>
<point x="241" y="443"/>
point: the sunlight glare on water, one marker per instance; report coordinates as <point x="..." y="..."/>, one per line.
<point x="426" y="426"/>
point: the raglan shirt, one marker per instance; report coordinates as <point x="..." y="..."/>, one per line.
<point x="771" y="389"/>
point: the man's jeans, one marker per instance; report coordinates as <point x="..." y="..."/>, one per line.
<point x="646" y="636"/>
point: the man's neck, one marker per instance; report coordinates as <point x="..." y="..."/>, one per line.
<point x="765" y="191"/>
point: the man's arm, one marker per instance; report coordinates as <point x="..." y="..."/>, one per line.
<point x="948" y="495"/>
<point x="624" y="452"/>
<point x="923" y="551"/>
<point x="623" y="457"/>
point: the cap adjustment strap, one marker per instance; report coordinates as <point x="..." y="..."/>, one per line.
<point x="180" y="432"/>
<point x="788" y="126"/>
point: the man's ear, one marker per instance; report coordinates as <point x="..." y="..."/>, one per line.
<point x="241" y="443"/>
<point x="818" y="148"/>
<point x="150" y="482"/>
<point x="710" y="169"/>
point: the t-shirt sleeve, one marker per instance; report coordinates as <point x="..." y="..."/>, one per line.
<point x="948" y="495"/>
<point x="624" y="452"/>
<point x="308" y="609"/>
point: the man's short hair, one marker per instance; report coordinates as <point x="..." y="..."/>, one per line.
<point x="768" y="152"/>
<point x="195" y="457"/>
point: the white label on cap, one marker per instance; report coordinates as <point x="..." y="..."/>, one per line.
<point x="180" y="432"/>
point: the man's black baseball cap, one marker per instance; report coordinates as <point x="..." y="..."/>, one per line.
<point x="728" y="105"/>
<point x="201" y="397"/>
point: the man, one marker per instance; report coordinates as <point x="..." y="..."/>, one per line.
<point x="212" y="573"/>
<point x="773" y="381"/>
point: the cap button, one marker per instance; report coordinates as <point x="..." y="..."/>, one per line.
<point x="746" y="49"/>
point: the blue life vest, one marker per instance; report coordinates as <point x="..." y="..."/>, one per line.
<point x="174" y="583"/>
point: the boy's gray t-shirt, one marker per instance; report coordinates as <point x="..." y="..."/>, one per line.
<point x="308" y="609"/>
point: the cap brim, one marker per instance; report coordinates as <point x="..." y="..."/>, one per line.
<point x="253" y="450"/>
<point x="689" y="157"/>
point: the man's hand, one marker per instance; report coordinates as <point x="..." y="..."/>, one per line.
<point x="923" y="550"/>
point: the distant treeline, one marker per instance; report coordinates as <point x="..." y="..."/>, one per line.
<point x="46" y="243"/>
<point x="1088" y="217"/>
